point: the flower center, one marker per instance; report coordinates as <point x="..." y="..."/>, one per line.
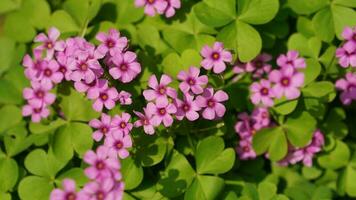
<point x="246" y="149"/>
<point x="110" y="43"/>
<point x="40" y="94"/>
<point x="215" y="55"/>
<point x="162" y="111"/>
<point x="264" y="91"/>
<point x="104" y="129"/>
<point x="119" y="145"/>
<point x="100" y="165"/>
<point x="83" y="66"/>
<point x="123" y="67"/>
<point x="49" y="45"/>
<point x="100" y="195"/>
<point x="253" y="131"/>
<point x="37" y="110"/>
<point x="62" y="69"/>
<point x="258" y="64"/>
<point x="162" y="90"/>
<point x="191" y="81"/>
<point x="211" y="103"/>
<point x="104" y="96"/>
<point x="289" y="62"/>
<point x="123" y="125"/>
<point x="47" y="72"/>
<point x="264" y="115"/>
<point x="71" y="196"/>
<point x="92" y="84"/>
<point x="285" y="81"/>
<point x="186" y="107"/>
<point x="145" y="122"/>
<point x="354" y="37"/>
<point x="150" y="1"/>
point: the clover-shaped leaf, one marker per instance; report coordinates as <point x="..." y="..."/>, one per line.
<point x="10" y="116"/>
<point x="173" y="63"/>
<point x="336" y="158"/>
<point x="132" y="173"/>
<point x="205" y="188"/>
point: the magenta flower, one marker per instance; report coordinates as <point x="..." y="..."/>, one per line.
<point x="215" y="57"/>
<point x="187" y="108"/>
<point x="145" y="120"/>
<point x="159" y="91"/>
<point x="65" y="64"/>
<point x="50" y="43"/>
<point x="85" y="68"/>
<point x="348" y="88"/>
<point x="212" y="103"/>
<point x="39" y="94"/>
<point x="124" y="98"/>
<point x="287" y="82"/>
<point x="125" y="67"/>
<point x="111" y="42"/>
<point x="347" y="55"/>
<point x="171" y="7"/>
<point x="51" y="74"/>
<point x="192" y="81"/>
<point x="349" y="34"/>
<point x="161" y="112"/>
<point x="93" y="88"/>
<point x="68" y="192"/>
<point x="103" y="126"/>
<point x="262" y="93"/>
<point x="291" y="59"/>
<point x="36" y="112"/>
<point x="152" y="6"/>
<point x="101" y="164"/>
<point x="122" y="124"/>
<point x="118" y="143"/>
<point x="260" y="118"/>
<point x="98" y="190"/>
<point x="105" y="97"/>
<point x="34" y="67"/>
<point x="245" y="150"/>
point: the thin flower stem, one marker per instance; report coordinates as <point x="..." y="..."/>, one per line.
<point x="190" y="141"/>
<point x="219" y="125"/>
<point x="84" y="28"/>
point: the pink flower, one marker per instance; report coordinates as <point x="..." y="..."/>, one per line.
<point x="122" y="124"/>
<point x="111" y="42"/>
<point x="171" y="7"/>
<point x="34" y="67"/>
<point x="349" y="34"/>
<point x="159" y="91"/>
<point x="101" y="164"/>
<point x="347" y="55"/>
<point x="260" y="118"/>
<point x="212" y="103"/>
<point x="39" y="94"/>
<point x="118" y="143"/>
<point x="287" y="82"/>
<point x="152" y="6"/>
<point x="85" y="68"/>
<point x="192" y="81"/>
<point x="65" y="64"/>
<point x="215" y="57"/>
<point x="51" y="74"/>
<point x="245" y="150"/>
<point x="161" y="112"/>
<point x="145" y="120"/>
<point x="50" y="43"/>
<point x="68" y="192"/>
<point x="187" y="108"/>
<point x="105" y="97"/>
<point x="125" y="67"/>
<point x="103" y="126"/>
<point x="124" y="98"/>
<point x="93" y="88"/>
<point x="244" y="127"/>
<point x="98" y="190"/>
<point x="36" y="112"/>
<point x="291" y="59"/>
<point x="257" y="66"/>
<point x="262" y="93"/>
<point x="348" y="88"/>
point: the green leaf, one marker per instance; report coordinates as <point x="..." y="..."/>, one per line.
<point x="5" y="196"/>
<point x="205" y="188"/>
<point x="132" y="173"/>
<point x="215" y="13"/>
<point x="9" y="117"/>
<point x="210" y="154"/>
<point x="346" y="3"/>
<point x="300" y="128"/>
<point x="16" y="140"/>
<point x="151" y="41"/>
<point x="266" y="191"/>
<point x="36" y="16"/>
<point x="312" y="71"/>
<point x="7" y="49"/>
<point x="63" y="21"/>
<point x="319" y="89"/>
<point x="305" y="27"/>
<point x="173" y="63"/>
<point x="343" y="17"/>
<point x="9" y="94"/>
<point x="127" y="13"/>
<point x="176" y="177"/>
<point x="17" y="27"/>
<point x="9" y="174"/>
<point x="74" y="136"/>
<point x="35" y="188"/>
<point x="76" y="107"/>
<point x="43" y="128"/>
<point x="242" y="38"/>
<point x="336" y="158"/>
<point x="305" y="7"/>
<point x="334" y="123"/>
<point x="278" y="147"/>
<point x="258" y="11"/>
<point x="150" y="149"/>
<point x="306" y="47"/>
<point x="77" y="174"/>
<point x="350" y="176"/>
<point x="284" y="106"/>
<point x="8" y="5"/>
<point x="82" y="10"/>
<point x="323" y="22"/>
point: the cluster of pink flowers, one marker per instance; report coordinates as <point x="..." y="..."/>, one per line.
<point x="166" y="7"/>
<point x="285" y="81"/>
<point x="348" y="87"/>
<point x="77" y="60"/>
<point x="304" y="154"/>
<point x="259" y="66"/>
<point x="247" y="126"/>
<point x="347" y="52"/>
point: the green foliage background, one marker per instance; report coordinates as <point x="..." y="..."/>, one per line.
<point x="188" y="160"/>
